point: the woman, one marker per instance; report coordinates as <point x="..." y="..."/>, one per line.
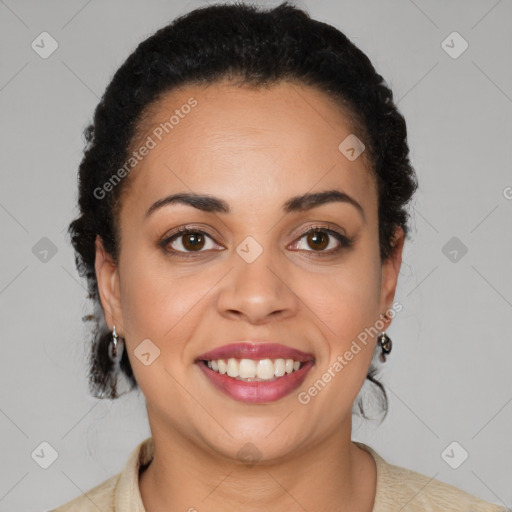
<point x="243" y="212"/>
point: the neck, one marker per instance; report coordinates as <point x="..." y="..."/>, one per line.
<point x="333" y="476"/>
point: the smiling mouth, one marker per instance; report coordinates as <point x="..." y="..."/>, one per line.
<point x="254" y="370"/>
<point x="254" y="381"/>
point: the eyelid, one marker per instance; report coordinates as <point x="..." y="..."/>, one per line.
<point x="194" y="228"/>
<point x="326" y="226"/>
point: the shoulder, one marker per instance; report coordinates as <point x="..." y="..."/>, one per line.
<point x="100" y="497"/>
<point x="416" y="492"/>
<point x="118" y="491"/>
<point x="403" y="489"/>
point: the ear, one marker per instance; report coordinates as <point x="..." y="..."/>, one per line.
<point x="107" y="277"/>
<point x="389" y="273"/>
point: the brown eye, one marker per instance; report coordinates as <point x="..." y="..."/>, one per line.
<point x="318" y="239"/>
<point x="193" y="241"/>
<point x="188" y="241"/>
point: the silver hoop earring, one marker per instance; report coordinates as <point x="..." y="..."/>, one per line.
<point x="385" y="344"/>
<point x="115" y="350"/>
<point x="117" y="383"/>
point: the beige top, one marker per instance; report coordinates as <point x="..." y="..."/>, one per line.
<point x="398" y="489"/>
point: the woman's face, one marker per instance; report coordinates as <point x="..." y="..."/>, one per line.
<point x="249" y="271"/>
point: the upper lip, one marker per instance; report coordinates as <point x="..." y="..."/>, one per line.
<point x="255" y="350"/>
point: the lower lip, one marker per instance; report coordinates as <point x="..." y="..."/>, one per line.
<point x="257" y="392"/>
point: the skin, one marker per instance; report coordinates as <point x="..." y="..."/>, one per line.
<point x="254" y="148"/>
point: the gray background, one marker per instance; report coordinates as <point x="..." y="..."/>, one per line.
<point x="449" y="377"/>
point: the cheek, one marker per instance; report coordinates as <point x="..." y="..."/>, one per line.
<point x="158" y="305"/>
<point x="151" y="298"/>
<point x="155" y="300"/>
<point x="348" y="299"/>
<point x="348" y="308"/>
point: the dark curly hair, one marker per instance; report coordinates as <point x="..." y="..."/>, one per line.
<point x="258" y="47"/>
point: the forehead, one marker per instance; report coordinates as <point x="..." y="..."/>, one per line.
<point x="246" y="144"/>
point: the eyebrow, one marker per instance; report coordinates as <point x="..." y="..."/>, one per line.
<point x="303" y="202"/>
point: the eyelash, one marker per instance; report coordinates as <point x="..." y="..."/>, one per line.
<point x="345" y="242"/>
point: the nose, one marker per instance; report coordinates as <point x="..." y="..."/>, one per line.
<point x="257" y="292"/>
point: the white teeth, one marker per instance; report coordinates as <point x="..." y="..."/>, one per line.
<point x="233" y="369"/>
<point x="254" y="370"/>
<point x="247" y="369"/>
<point x="280" y="368"/>
<point x="223" y="367"/>
<point x="265" y="369"/>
